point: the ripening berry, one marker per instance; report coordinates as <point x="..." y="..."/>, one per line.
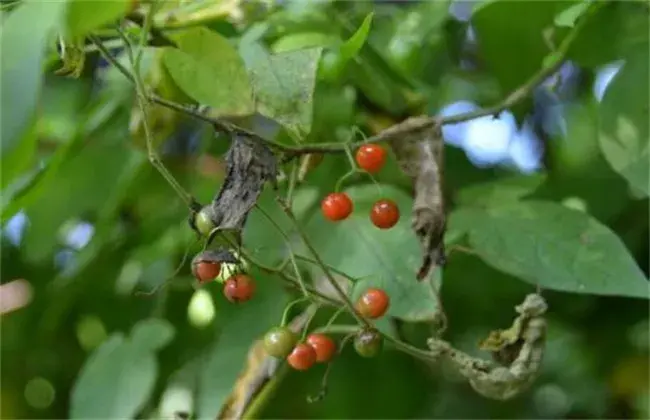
<point x="371" y="157"/>
<point x="279" y="342"/>
<point x="203" y="222"/>
<point x="373" y="303"/>
<point x="368" y="342"/>
<point x="323" y="345"/>
<point x="384" y="214"/>
<point x="336" y="206"/>
<point x="239" y="288"/>
<point x="206" y="271"/>
<point x="302" y="357"/>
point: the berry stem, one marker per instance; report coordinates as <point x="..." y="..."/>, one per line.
<point x="285" y="314"/>
<point x="339" y="290"/>
<point x="287" y="242"/>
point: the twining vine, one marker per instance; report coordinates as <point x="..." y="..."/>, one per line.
<point x="254" y="161"/>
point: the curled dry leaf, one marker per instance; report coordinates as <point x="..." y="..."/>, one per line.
<point x="259" y="369"/>
<point x="419" y="153"/>
<point x="518" y="350"/>
<point x="218" y="255"/>
<point x="249" y="165"/>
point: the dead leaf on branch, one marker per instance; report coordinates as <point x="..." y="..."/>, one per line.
<point x="518" y="350"/>
<point x="419" y="155"/>
<point x="249" y="165"/>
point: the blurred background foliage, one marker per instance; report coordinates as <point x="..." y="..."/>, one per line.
<point x="87" y="221"/>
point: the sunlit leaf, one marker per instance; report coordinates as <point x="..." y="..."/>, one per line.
<point x="284" y="85"/>
<point x="208" y="69"/>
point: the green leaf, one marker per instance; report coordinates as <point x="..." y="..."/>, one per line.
<point x="152" y="334"/>
<point x="510" y="37"/>
<point x="25" y="35"/>
<point x="384" y="258"/>
<point x="351" y="47"/>
<point x="241" y="327"/>
<point x="302" y="40"/>
<point x="208" y="69"/>
<point x="284" y="85"/>
<point x="549" y="245"/>
<point x="623" y="128"/>
<point x="567" y="17"/>
<point x="118" y="378"/>
<point x="511" y="188"/>
<point x="595" y="45"/>
<point x="85" y="16"/>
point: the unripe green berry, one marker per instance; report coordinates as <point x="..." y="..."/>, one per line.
<point x="279" y="342"/>
<point x="203" y="222"/>
<point x="368" y="342"/>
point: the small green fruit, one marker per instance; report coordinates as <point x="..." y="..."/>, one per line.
<point x="368" y="342"/>
<point x="203" y="222"/>
<point x="279" y="342"/>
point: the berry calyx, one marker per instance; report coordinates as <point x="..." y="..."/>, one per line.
<point x="384" y="214"/>
<point x="336" y="206"/>
<point x="302" y="357"/>
<point x="373" y="303"/>
<point x="203" y="222"/>
<point x="279" y="342"/>
<point x="368" y="342"/>
<point x="323" y="346"/>
<point x="206" y="271"/>
<point x="239" y="288"/>
<point x="371" y="157"/>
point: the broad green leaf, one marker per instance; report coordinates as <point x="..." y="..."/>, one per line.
<point x="118" y="378"/>
<point x="384" y="258"/>
<point x="25" y="35"/>
<point x="510" y="37"/>
<point x="284" y="85"/>
<point x="549" y="245"/>
<point x="152" y="334"/>
<point x="352" y="46"/>
<point x="241" y="326"/>
<point x="595" y="45"/>
<point x="503" y="190"/>
<point x="208" y="69"/>
<point x="84" y="16"/>
<point x="623" y="127"/>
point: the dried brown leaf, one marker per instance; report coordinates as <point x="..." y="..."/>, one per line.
<point x="419" y="153"/>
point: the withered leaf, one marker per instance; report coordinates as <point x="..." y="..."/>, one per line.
<point x="419" y="154"/>
<point x="249" y="165"/>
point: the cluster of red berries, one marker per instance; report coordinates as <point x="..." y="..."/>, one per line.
<point x="237" y="288"/>
<point x="281" y="342"/>
<point x="338" y="206"/>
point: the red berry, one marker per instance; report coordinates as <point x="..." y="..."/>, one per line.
<point x="302" y="357"/>
<point x="384" y="214"/>
<point x="373" y="303"/>
<point x="336" y="206"/>
<point x="371" y="157"/>
<point x="206" y="271"/>
<point x="239" y="288"/>
<point x="323" y="346"/>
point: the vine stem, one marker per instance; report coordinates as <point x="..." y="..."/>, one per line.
<point x="397" y="131"/>
<point x="339" y="290"/>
